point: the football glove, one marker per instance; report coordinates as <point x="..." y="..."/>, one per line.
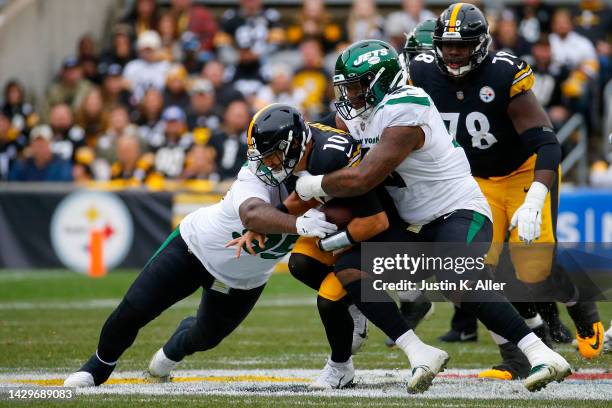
<point x="528" y="217"/>
<point x="309" y="186"/>
<point x="313" y="224"/>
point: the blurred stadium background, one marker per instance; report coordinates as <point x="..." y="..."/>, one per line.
<point x="118" y="117"/>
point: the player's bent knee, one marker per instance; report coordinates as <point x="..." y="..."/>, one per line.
<point x="307" y="270"/>
<point x="331" y="288"/>
<point x="346" y="276"/>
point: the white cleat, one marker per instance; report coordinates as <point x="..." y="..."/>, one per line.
<point x="79" y="379"/>
<point x="360" y="329"/>
<point x="430" y="362"/>
<point x="552" y="368"/>
<point x="160" y="365"/>
<point x="607" y="346"/>
<point x="335" y="376"/>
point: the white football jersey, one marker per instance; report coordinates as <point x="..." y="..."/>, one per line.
<point x="433" y="180"/>
<point x="208" y="229"/>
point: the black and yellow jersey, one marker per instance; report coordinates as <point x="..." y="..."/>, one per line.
<point x="475" y="108"/>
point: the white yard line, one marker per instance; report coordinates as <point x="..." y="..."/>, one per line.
<point x="112" y="302"/>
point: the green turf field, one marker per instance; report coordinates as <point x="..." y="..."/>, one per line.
<point x="50" y="321"/>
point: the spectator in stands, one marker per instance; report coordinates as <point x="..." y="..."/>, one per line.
<point x="311" y="80"/>
<point x="92" y="117"/>
<point x="280" y="89"/>
<point x="121" y="51"/>
<point x="203" y="115"/>
<point x="70" y="88"/>
<point x="130" y="164"/>
<point x="170" y="46"/>
<point x="170" y="157"/>
<point x="22" y="114"/>
<point x="593" y="19"/>
<point x="192" y="58"/>
<point x="534" y="17"/>
<point x="113" y="88"/>
<point x="549" y="77"/>
<point x="88" y="58"/>
<point x="578" y="54"/>
<point x="231" y="143"/>
<point x="148" y="70"/>
<point x="253" y="33"/>
<point x="12" y="142"/>
<point x="67" y="137"/>
<point x="144" y="16"/>
<point x="315" y="22"/>
<point x="119" y="125"/>
<point x="201" y="164"/>
<point x="507" y="38"/>
<point x="412" y="14"/>
<point x="196" y="19"/>
<point x="225" y="92"/>
<point x="364" y="22"/>
<point x="175" y="92"/>
<point x="42" y="164"/>
<point x="148" y="118"/>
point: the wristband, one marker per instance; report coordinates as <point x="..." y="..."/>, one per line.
<point x="337" y="240"/>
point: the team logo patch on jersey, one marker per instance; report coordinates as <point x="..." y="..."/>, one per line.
<point x="487" y="94"/>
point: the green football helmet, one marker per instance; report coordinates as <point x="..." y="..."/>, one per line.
<point x="419" y="40"/>
<point x="365" y="72"/>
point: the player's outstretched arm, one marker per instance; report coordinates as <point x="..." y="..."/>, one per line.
<point x="396" y="143"/>
<point x="532" y="123"/>
<point x="258" y="215"/>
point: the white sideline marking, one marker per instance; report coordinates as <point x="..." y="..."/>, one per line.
<point x="112" y="302"/>
<point x="452" y="384"/>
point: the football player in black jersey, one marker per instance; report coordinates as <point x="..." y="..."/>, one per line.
<point x="312" y="260"/>
<point x="486" y="100"/>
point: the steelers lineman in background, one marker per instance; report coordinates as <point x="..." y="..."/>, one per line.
<point x="486" y="100"/>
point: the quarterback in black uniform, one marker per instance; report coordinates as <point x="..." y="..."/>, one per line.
<point x="486" y="100"/>
<point x="311" y="260"/>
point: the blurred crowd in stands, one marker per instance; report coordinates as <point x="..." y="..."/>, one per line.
<point x="169" y="96"/>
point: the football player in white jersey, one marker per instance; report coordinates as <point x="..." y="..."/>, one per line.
<point x="428" y="175"/>
<point x="195" y="256"/>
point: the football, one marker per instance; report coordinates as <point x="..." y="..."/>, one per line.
<point x="337" y="212"/>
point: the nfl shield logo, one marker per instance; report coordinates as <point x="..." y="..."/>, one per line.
<point x="487" y="94"/>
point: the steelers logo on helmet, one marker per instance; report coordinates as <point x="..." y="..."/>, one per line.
<point x="461" y="39"/>
<point x="277" y="139"/>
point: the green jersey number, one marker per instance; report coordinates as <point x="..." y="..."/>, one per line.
<point x="277" y="245"/>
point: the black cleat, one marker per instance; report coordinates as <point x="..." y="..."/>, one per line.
<point x="514" y="365"/>
<point x="559" y="332"/>
<point x="454" y="336"/>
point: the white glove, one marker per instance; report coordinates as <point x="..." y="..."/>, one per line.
<point x="313" y="224"/>
<point x="309" y="186"/>
<point x="528" y="216"/>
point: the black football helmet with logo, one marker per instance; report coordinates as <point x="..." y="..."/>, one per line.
<point x="465" y="24"/>
<point x="277" y="134"/>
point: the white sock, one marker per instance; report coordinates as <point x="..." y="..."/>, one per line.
<point x="408" y="295"/>
<point x="534" y="322"/>
<point x="499" y="340"/>
<point x="410" y="344"/>
<point x="534" y="349"/>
